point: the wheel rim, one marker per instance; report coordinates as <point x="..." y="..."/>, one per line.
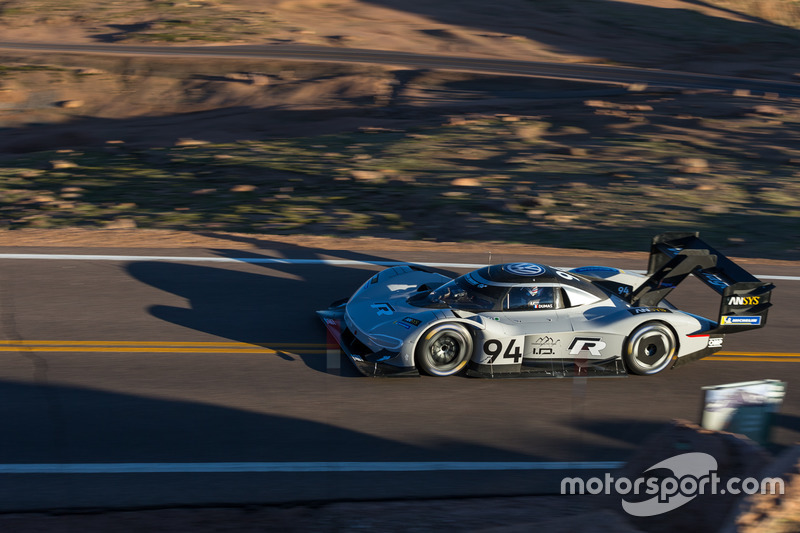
<point x="444" y="350"/>
<point x="651" y="348"/>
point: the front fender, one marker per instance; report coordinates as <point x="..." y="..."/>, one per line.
<point x="472" y="322"/>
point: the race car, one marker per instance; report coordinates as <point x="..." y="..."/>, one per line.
<point x="533" y="320"/>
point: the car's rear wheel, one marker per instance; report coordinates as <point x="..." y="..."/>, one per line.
<point x="650" y="348"/>
<point x="444" y="350"/>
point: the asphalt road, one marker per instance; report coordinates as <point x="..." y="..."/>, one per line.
<point x="138" y="381"/>
<point x="567" y="71"/>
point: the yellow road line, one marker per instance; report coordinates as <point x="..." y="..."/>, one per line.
<point x="754" y="354"/>
<point x="268" y="348"/>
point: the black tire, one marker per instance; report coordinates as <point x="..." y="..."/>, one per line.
<point x="444" y="350"/>
<point x="650" y="348"/>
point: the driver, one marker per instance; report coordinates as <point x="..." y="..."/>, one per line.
<point x="539" y="297"/>
<point x="533" y="296"/>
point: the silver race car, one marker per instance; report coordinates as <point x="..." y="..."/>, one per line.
<point x="532" y="320"/>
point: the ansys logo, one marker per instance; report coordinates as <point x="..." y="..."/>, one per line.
<point x="744" y="300"/>
<point x="693" y="474"/>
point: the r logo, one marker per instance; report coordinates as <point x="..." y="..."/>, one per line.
<point x="594" y="345"/>
<point x="383" y="309"/>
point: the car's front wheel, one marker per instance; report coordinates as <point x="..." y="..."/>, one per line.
<point x="444" y="350"/>
<point x="650" y="348"/>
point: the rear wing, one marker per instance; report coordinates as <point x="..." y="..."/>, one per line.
<point x="673" y="256"/>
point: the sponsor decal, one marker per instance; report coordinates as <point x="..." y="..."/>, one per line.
<point x="741" y="320"/>
<point x="713" y="279"/>
<point x="541" y="346"/>
<point x="566" y="275"/>
<point x="524" y="269"/>
<point x="403" y="325"/>
<point x="383" y="308"/>
<point x="331" y="321"/>
<point x="744" y="300"/>
<point x="493" y="349"/>
<point x="610" y="270"/>
<point x="714" y="342"/>
<point x="412" y="321"/>
<point x="641" y="310"/>
<point x="593" y="345"/>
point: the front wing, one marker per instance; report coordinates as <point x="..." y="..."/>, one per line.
<point x="367" y="362"/>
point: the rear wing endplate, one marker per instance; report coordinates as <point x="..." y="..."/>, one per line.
<point x="673" y="256"/>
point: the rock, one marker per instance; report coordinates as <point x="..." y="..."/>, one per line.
<point x="535" y="213"/>
<point x="71" y="104"/>
<point x="715" y="209"/>
<point x="692" y="165"/>
<point x="466" y="182"/>
<point x="43" y="199"/>
<point x="243" y="188"/>
<point x="249" y="77"/>
<point x="530" y="132"/>
<point x="561" y="219"/>
<point x="190" y="142"/>
<point x="366" y="175"/>
<point x="769" y="110"/>
<point x="771" y="512"/>
<point x="597" y="103"/>
<point x="121" y="223"/>
<point x="60" y="164"/>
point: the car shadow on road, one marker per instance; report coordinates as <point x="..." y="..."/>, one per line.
<point x="257" y="299"/>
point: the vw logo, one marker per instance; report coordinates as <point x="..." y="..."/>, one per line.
<point x="524" y="269"/>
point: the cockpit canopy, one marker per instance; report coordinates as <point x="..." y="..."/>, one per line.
<point x="511" y="287"/>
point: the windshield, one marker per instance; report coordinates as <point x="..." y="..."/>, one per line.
<point x="461" y="293"/>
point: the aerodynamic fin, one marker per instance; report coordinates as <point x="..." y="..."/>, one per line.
<point x="673" y="256"/>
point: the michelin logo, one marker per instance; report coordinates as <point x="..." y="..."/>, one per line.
<point x="741" y="320"/>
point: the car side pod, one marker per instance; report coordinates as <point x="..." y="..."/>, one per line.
<point x="368" y="364"/>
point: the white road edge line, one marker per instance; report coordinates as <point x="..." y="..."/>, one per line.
<point x="280" y="261"/>
<point x="299" y="467"/>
